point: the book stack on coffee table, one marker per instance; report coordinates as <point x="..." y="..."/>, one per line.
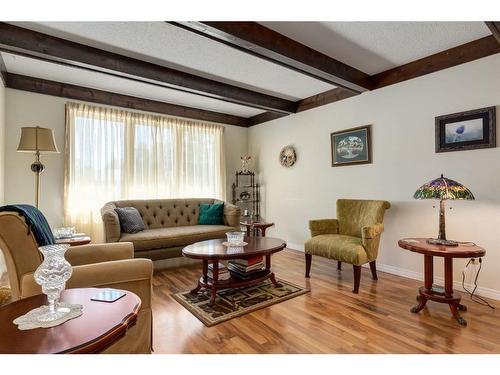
<point x="245" y="268"/>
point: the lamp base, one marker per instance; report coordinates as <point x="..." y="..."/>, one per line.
<point x="437" y="241"/>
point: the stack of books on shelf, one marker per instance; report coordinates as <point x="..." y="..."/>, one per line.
<point x="223" y="272"/>
<point x="245" y="268"/>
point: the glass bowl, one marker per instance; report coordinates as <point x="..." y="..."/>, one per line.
<point x="235" y="237"/>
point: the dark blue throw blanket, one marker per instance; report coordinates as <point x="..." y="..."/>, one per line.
<point x="36" y="222"/>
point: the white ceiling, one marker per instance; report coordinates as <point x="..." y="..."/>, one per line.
<point x="165" y="44"/>
<point x="373" y="47"/>
<point x="61" y="73"/>
<point x="369" y="46"/>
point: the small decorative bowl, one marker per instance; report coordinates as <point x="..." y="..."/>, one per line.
<point x="235" y="237"/>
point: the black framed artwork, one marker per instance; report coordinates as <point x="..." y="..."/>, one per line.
<point x="351" y="146"/>
<point x="467" y="130"/>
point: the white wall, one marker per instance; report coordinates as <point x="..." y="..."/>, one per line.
<point x="402" y="116"/>
<point x="29" y="109"/>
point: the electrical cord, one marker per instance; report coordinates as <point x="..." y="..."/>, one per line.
<point x="473" y="296"/>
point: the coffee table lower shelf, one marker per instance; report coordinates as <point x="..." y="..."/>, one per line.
<point x="233" y="282"/>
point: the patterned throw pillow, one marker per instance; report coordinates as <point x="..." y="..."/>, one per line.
<point x="130" y="220"/>
<point x="211" y="214"/>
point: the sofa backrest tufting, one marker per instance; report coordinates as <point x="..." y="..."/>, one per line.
<point x="163" y="213"/>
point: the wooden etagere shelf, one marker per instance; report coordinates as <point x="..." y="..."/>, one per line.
<point x="246" y="195"/>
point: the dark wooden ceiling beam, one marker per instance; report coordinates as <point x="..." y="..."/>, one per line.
<point x="263" y="117"/>
<point x="323" y="98"/>
<point x="494" y="27"/>
<point x="3" y="70"/>
<point x="263" y="42"/>
<point x="446" y="59"/>
<point x="87" y="94"/>
<point x="311" y="102"/>
<point x="34" y="44"/>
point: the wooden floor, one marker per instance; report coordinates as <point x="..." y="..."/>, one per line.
<point x="329" y="319"/>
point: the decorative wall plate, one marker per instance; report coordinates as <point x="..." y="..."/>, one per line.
<point x="288" y="156"/>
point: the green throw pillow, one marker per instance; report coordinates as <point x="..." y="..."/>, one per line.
<point x="211" y="214"/>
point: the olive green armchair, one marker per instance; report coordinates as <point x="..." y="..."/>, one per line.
<point x="352" y="238"/>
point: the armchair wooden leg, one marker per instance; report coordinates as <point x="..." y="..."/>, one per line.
<point x="339" y="265"/>
<point x="357" y="278"/>
<point x="373" y="268"/>
<point x="308" y="264"/>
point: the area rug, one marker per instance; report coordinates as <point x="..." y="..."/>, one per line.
<point x="232" y="303"/>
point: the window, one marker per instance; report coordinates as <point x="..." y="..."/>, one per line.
<point x="113" y="154"/>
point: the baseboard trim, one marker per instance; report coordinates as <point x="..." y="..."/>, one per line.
<point x="481" y="291"/>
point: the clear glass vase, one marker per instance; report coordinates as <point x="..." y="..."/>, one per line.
<point x="52" y="275"/>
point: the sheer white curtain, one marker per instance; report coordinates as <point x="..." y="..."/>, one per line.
<point x="113" y="154"/>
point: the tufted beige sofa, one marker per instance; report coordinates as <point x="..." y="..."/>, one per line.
<point x="171" y="224"/>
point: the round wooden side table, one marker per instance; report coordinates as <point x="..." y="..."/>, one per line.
<point x="254" y="228"/>
<point x="100" y="325"/>
<point x="75" y="241"/>
<point x="430" y="291"/>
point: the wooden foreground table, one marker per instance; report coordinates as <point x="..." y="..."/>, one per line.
<point x="100" y="325"/>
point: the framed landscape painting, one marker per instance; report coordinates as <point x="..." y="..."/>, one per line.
<point x="467" y="130"/>
<point x="351" y="146"/>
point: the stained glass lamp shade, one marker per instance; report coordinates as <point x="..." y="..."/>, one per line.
<point x="443" y="188"/>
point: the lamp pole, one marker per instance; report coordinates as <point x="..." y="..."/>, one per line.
<point x="441" y="240"/>
<point x="442" y="226"/>
<point x="37" y="167"/>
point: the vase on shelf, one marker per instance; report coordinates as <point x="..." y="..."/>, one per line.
<point x="52" y="275"/>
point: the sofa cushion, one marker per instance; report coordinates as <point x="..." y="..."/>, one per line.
<point x="175" y="236"/>
<point x="211" y="214"/>
<point x="339" y="247"/>
<point x="130" y="220"/>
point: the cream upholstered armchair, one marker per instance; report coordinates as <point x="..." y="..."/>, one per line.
<point x="100" y="265"/>
<point x="351" y="238"/>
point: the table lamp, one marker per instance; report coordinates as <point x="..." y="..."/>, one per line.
<point x="443" y="188"/>
<point x="38" y="140"/>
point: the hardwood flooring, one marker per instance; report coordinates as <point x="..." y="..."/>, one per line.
<point x="329" y="319"/>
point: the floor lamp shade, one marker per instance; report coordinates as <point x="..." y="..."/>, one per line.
<point x="37" y="140"/>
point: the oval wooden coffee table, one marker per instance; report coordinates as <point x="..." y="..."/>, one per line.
<point x="100" y="325"/>
<point x="213" y="251"/>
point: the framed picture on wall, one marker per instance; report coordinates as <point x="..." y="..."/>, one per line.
<point x="467" y="130"/>
<point x="351" y="146"/>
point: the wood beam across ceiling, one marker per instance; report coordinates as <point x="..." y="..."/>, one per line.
<point x="3" y="70"/>
<point x="258" y="40"/>
<point x="30" y="43"/>
<point x="263" y="117"/>
<point x="461" y="54"/>
<point x="64" y="90"/>
<point x="311" y="102"/>
<point x="494" y="27"/>
<point x="323" y="98"/>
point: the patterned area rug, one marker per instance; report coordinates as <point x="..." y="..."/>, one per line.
<point x="232" y="303"/>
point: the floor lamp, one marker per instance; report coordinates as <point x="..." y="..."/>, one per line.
<point x="37" y="140"/>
